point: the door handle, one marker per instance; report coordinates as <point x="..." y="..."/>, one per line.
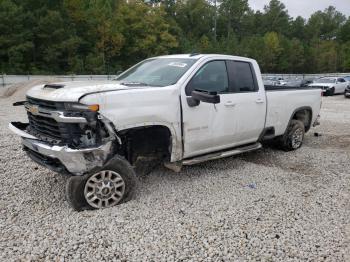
<point x="259" y="101"/>
<point x="230" y="104"/>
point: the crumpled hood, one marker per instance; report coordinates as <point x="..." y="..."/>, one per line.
<point x="72" y="91"/>
<point x="322" y="84"/>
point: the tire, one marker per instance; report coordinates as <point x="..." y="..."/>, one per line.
<point x="330" y="92"/>
<point x="294" y="136"/>
<point x="109" y="186"/>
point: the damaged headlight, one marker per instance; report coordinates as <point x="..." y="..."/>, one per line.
<point x="89" y="112"/>
<point x="81" y="107"/>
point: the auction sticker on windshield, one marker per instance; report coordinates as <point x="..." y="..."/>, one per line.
<point x="177" y="64"/>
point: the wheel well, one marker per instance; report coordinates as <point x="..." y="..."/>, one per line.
<point x="152" y="142"/>
<point x="304" y="115"/>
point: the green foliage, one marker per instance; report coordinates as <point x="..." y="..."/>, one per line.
<point x="276" y="18"/>
<point x="105" y="36"/>
<point x="271" y="52"/>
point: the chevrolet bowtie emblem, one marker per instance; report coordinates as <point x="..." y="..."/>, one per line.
<point x="33" y="109"/>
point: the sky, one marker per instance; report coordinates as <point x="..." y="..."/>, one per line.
<point x="305" y="8"/>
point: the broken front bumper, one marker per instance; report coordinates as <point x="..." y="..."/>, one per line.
<point x="62" y="158"/>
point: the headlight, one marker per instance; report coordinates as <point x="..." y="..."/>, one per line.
<point x="81" y="107"/>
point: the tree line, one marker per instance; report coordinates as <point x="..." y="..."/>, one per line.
<point x="105" y="36"/>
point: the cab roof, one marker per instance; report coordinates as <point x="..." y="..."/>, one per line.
<point x="197" y="56"/>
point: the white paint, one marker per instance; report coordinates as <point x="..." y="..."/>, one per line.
<point x="207" y="128"/>
<point x="72" y="91"/>
<point x="282" y="104"/>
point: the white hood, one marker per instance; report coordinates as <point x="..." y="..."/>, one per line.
<point x="72" y="91"/>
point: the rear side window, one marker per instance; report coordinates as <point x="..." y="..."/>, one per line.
<point x="242" y="78"/>
<point x="341" y="80"/>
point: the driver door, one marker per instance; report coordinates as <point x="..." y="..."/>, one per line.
<point x="208" y="127"/>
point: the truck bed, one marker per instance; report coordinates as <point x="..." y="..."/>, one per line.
<point x="282" y="102"/>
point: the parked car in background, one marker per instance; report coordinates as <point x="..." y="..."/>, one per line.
<point x="274" y="81"/>
<point x="331" y="85"/>
<point x="300" y="82"/>
<point x="347" y="89"/>
<point x="347" y="92"/>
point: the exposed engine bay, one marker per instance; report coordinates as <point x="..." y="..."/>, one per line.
<point x="61" y="123"/>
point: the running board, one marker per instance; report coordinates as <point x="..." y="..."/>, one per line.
<point x="221" y="154"/>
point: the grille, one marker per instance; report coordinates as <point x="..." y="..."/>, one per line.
<point x="44" y="126"/>
<point x="50" y="105"/>
<point x="321" y="87"/>
<point x="48" y="129"/>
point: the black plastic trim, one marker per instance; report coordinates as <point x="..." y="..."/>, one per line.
<point x="264" y="134"/>
<point x="307" y="128"/>
<point x="272" y="88"/>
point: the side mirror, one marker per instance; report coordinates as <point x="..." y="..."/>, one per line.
<point x="204" y="96"/>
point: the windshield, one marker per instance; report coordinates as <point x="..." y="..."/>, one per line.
<point x="325" y="80"/>
<point x="157" y="72"/>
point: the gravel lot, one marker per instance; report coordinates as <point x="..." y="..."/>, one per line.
<point x="265" y="205"/>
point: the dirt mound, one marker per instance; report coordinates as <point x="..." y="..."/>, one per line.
<point x="19" y="90"/>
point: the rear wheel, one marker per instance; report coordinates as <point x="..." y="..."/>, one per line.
<point x="114" y="184"/>
<point x="294" y="136"/>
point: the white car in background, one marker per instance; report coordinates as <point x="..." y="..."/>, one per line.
<point x="331" y="85"/>
<point x="347" y="89"/>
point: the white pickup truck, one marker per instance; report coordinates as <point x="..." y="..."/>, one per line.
<point x="176" y="110"/>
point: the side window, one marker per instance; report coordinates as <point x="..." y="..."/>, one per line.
<point x="211" y="77"/>
<point x="341" y="80"/>
<point x="242" y="78"/>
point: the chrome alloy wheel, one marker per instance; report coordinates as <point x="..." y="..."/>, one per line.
<point x="297" y="138"/>
<point x="104" y="189"/>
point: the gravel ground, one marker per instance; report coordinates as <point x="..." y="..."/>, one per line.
<point x="265" y="205"/>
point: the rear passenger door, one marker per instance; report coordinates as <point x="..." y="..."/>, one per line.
<point x="249" y="101"/>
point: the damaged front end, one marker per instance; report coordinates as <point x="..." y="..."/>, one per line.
<point x="66" y="137"/>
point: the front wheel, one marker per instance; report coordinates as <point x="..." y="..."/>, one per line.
<point x="294" y="136"/>
<point x="113" y="184"/>
<point x="330" y="92"/>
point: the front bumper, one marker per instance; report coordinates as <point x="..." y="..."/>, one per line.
<point x="62" y="158"/>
